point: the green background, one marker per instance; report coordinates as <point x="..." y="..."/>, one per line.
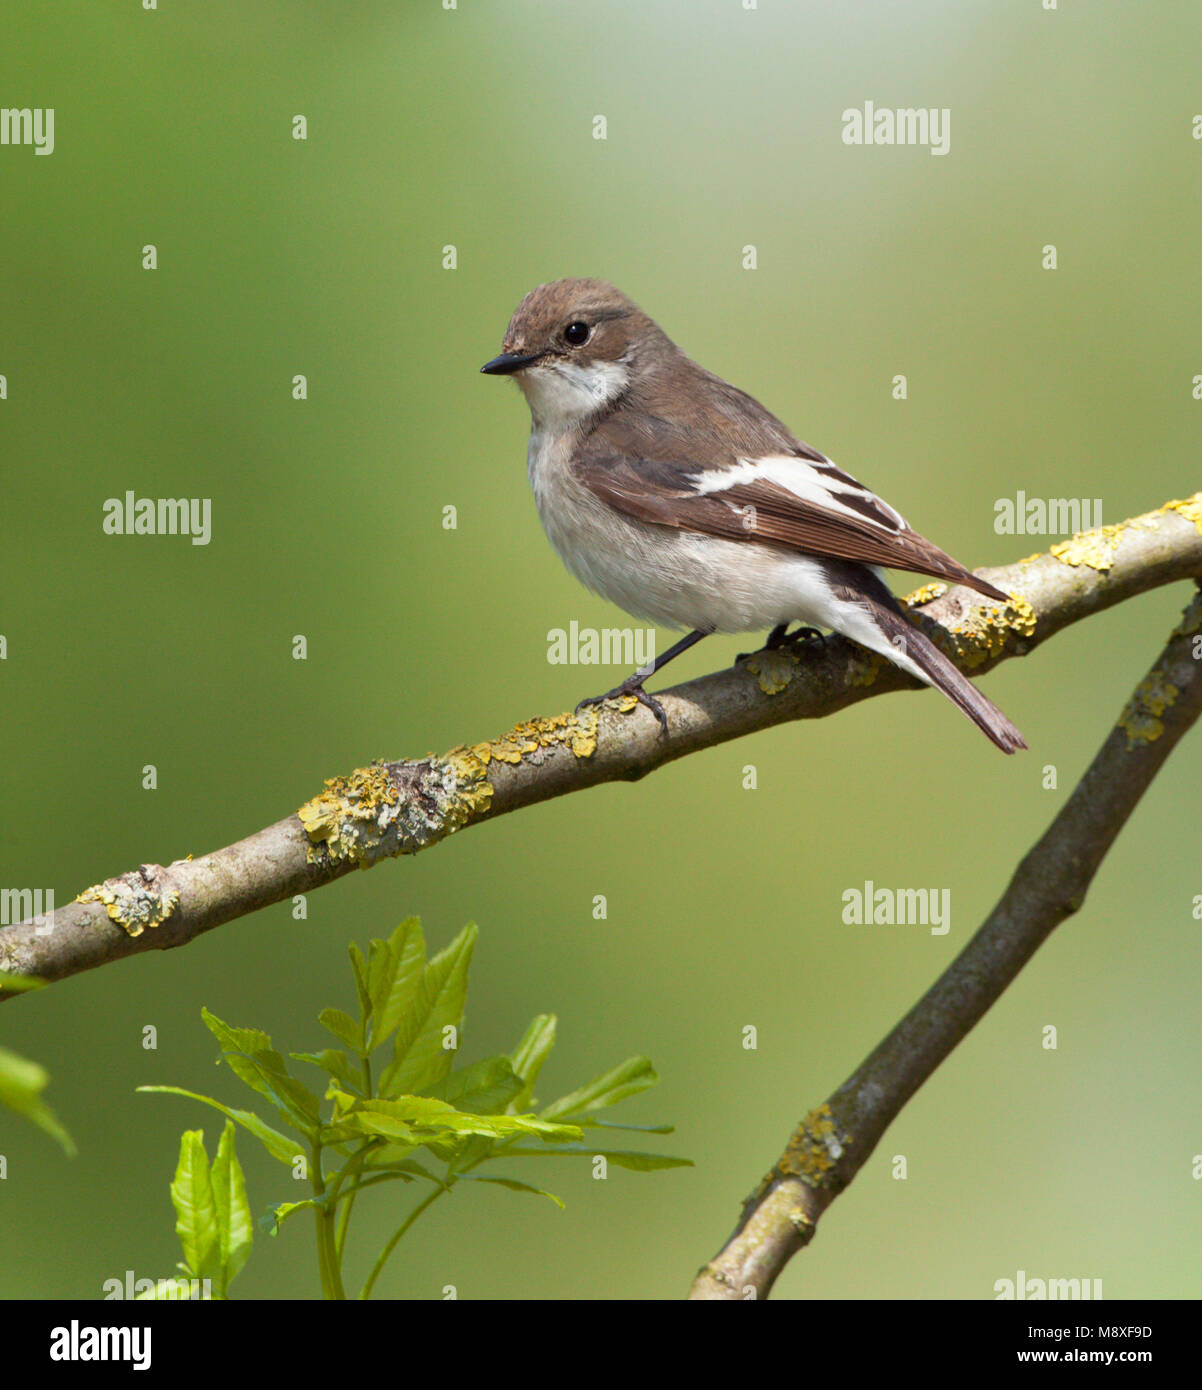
<point x="473" y="127"/>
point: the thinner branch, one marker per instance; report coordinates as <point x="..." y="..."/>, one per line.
<point x="831" y="1144"/>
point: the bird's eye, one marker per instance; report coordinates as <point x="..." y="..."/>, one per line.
<point x="576" y="333"/>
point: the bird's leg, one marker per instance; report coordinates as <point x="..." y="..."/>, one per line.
<point x="780" y="636"/>
<point x="633" y="684"/>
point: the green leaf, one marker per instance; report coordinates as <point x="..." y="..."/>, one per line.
<point x="530" y="1054"/>
<point x="399" y="1120"/>
<point x="398" y="1172"/>
<point x="643" y="1162"/>
<point x="592" y="1122"/>
<point x="622" y="1158"/>
<point x="277" y="1145"/>
<point x="394" y="1156"/>
<point x="421" y="1060"/>
<point x="340" y="1129"/>
<point x="236" y="1039"/>
<point x="501" y="1126"/>
<point x="627" y="1079"/>
<point x="359" y="966"/>
<point x="255" y="1062"/>
<point x="334" y="1136"/>
<point x="19" y="984"/>
<point x="386" y="1126"/>
<point x="343" y="1027"/>
<point x="333" y="1061"/>
<point x="196" y="1210"/>
<point x="399" y="976"/>
<point x="235" y="1226"/>
<point x="423" y="1120"/>
<point x="21" y="1085"/>
<point x="343" y="1100"/>
<point x="484" y="1088"/>
<point x="514" y="1186"/>
<point x="379" y="975"/>
<point x="275" y="1216"/>
<point x="469" y="1154"/>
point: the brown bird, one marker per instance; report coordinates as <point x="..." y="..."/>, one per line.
<point x="681" y="499"/>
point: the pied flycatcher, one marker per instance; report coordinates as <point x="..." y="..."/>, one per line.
<point x="681" y="499"/>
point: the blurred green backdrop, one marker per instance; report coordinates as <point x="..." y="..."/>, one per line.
<point x="473" y="127"/>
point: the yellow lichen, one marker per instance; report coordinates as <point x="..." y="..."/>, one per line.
<point x="984" y="633"/>
<point x="1141" y="720"/>
<point x="136" y="900"/>
<point x="577" y="732"/>
<point x="398" y="808"/>
<point x="1093" y="548"/>
<point x="867" y="668"/>
<point x="347" y="817"/>
<point x="1190" y="508"/>
<point x="473" y="790"/>
<point x="381" y="810"/>
<point x="814" y="1148"/>
<point x="927" y="594"/>
<point x="773" y="668"/>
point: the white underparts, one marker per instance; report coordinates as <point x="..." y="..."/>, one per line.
<point x="562" y="394"/>
<point x="685" y="579"/>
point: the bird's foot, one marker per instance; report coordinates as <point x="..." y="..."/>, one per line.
<point x="632" y="685"/>
<point x="781" y="637"/>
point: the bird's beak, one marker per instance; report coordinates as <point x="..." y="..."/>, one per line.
<point x="509" y="362"/>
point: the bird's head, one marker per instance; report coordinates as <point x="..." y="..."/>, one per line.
<point x="573" y="347"/>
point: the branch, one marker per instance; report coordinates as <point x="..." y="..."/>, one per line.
<point x="392" y="808"/>
<point x="832" y="1143"/>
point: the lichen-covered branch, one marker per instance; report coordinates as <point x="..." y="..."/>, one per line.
<point x="393" y="808"/>
<point x="831" y="1144"/>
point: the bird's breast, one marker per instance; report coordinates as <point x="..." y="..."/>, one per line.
<point x="571" y="515"/>
<point x="617" y="557"/>
<point x="678" y="579"/>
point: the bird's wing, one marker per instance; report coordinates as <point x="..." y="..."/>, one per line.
<point x="799" y="500"/>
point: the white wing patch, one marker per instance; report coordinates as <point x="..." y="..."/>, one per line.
<point x="821" y="484"/>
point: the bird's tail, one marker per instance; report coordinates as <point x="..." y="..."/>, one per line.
<point x="913" y="651"/>
<point x="938" y="671"/>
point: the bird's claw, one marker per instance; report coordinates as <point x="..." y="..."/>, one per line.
<point x="633" y="686"/>
<point x="780" y="637"/>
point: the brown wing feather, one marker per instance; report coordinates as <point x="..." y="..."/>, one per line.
<point x="763" y="511"/>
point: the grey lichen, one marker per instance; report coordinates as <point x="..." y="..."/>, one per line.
<point x="136" y="900"/>
<point x="386" y="809"/>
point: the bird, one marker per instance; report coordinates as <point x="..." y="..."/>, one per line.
<point x="683" y="500"/>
